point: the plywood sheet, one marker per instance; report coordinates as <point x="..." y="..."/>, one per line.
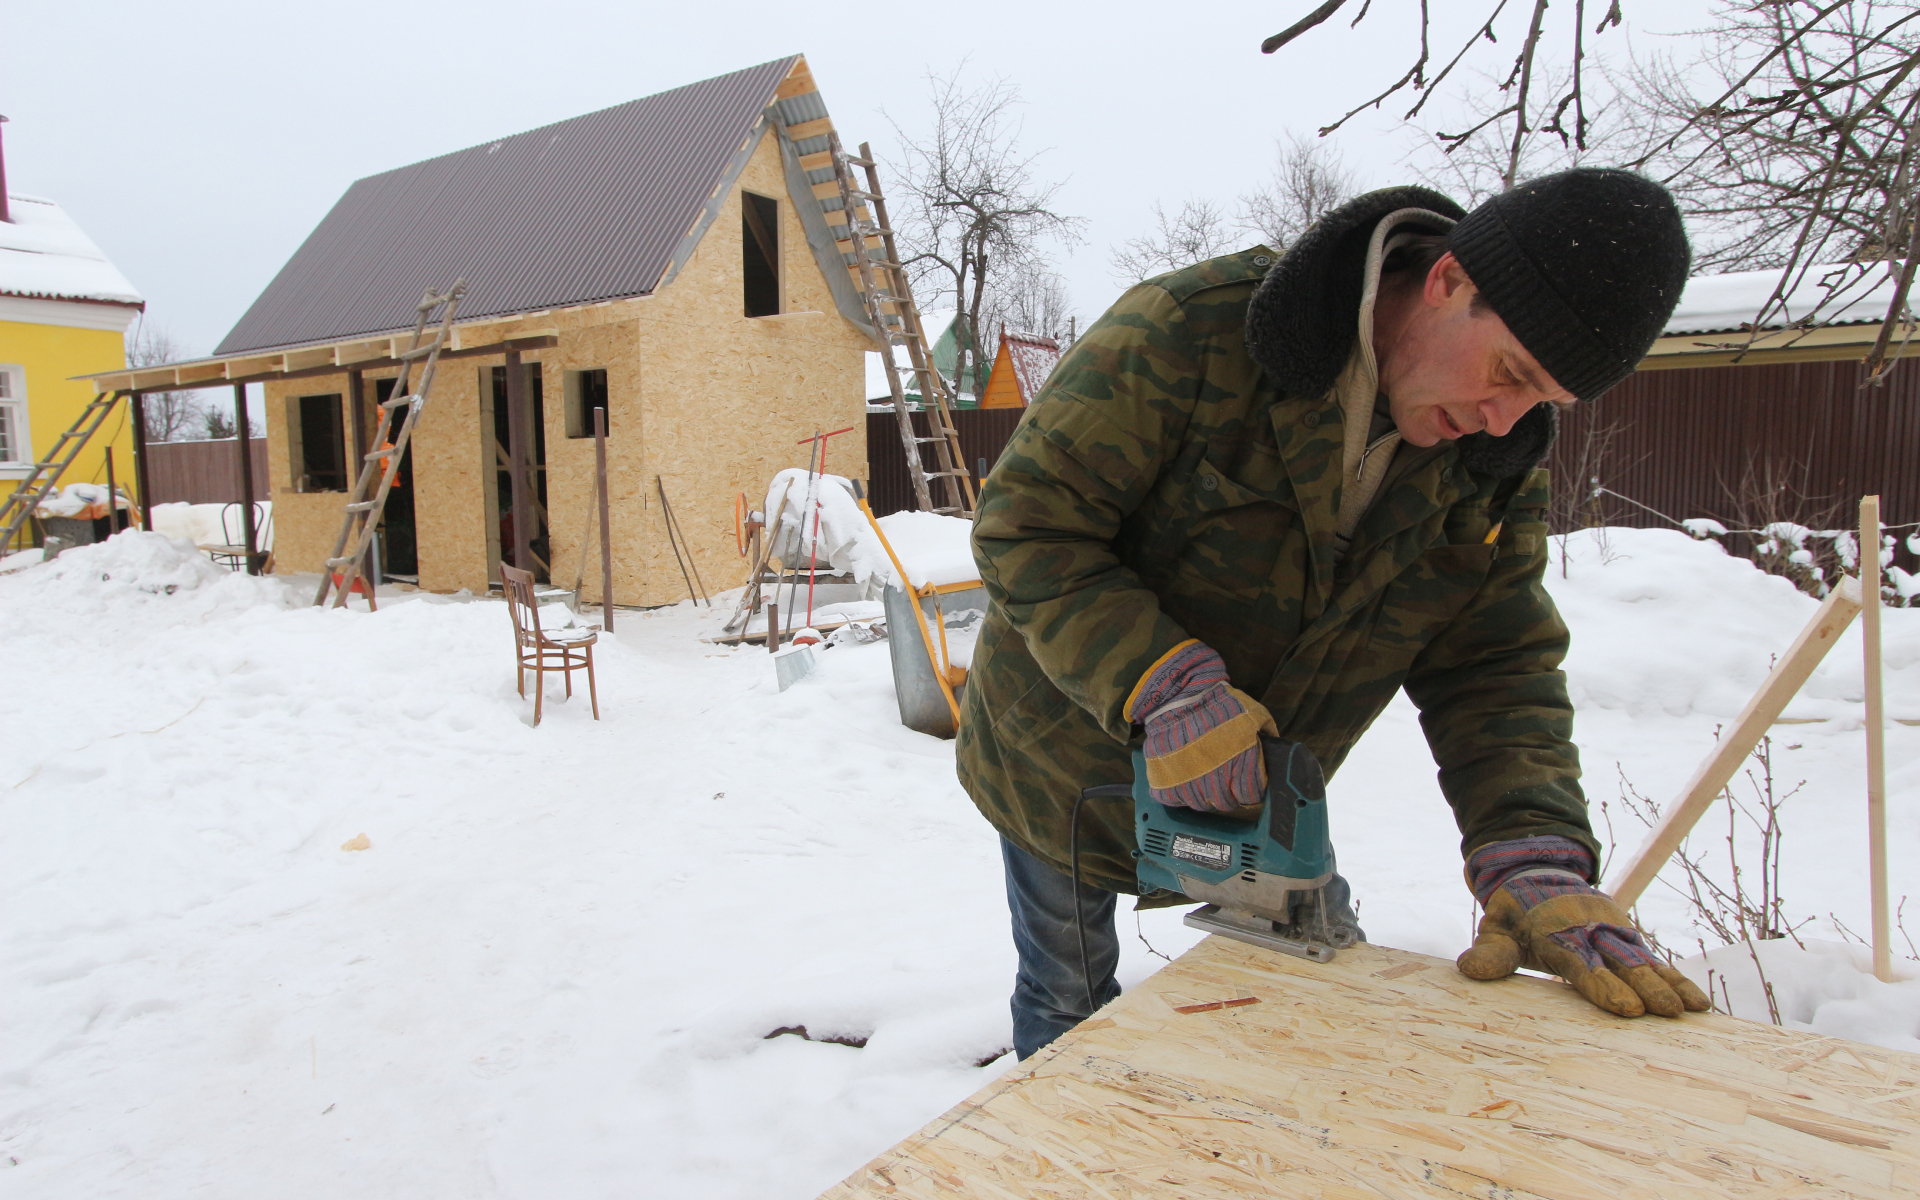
<point x="1388" y="1074"/>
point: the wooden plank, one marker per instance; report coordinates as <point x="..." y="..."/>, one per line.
<point x="1738" y="741"/>
<point x="810" y="129"/>
<point x="1870" y="534"/>
<point x="814" y="162"/>
<point x="1386" y="1073"/>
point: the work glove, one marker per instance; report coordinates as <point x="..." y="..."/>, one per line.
<point x="1541" y="914"/>
<point x="1202" y="734"/>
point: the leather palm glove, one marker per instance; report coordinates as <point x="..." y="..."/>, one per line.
<point x="1202" y="734"/>
<point x="1541" y="914"/>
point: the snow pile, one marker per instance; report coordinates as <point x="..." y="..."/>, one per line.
<point x="206" y="524"/>
<point x="43" y="253"/>
<point x="131" y="570"/>
<point x="78" y="500"/>
<point x="1821" y="987"/>
<point x="933" y="548"/>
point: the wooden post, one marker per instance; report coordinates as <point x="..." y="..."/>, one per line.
<point x="773" y="625"/>
<point x="1876" y="736"/>
<point x="606" y="539"/>
<point x="1738" y="740"/>
<point x="356" y="408"/>
<point x="245" y="442"/>
<point x="517" y="454"/>
<point x="137" y="404"/>
<point x="113" y="498"/>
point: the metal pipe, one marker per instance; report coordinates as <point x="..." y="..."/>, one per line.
<point x="242" y="439"/>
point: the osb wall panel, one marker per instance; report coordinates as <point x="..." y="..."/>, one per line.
<point x="449" y="509"/>
<point x="570" y="461"/>
<point x="305" y="524"/>
<point x="727" y="398"/>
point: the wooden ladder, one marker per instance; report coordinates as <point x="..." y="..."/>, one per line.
<point x="882" y="280"/>
<point x="363" y="515"/>
<point x="45" y="476"/>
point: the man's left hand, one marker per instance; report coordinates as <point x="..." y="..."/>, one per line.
<point x="1542" y="914"/>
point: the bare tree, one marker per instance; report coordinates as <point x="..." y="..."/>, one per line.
<point x="1032" y="299"/>
<point x="171" y="416"/>
<point x="1199" y="231"/>
<point x="1309" y="180"/>
<point x="1798" y="153"/>
<point x="1474" y="167"/>
<point x="1802" y="145"/>
<point x="973" y="205"/>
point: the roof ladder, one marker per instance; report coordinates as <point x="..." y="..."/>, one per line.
<point x="883" y="282"/>
<point x="45" y="476"/>
<point x="363" y="515"/>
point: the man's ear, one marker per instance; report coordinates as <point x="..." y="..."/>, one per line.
<point x="1444" y="280"/>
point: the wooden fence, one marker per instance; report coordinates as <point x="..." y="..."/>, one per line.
<point x="983" y="434"/>
<point x="203" y="472"/>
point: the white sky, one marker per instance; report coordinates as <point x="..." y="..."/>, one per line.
<point x="198" y="144"/>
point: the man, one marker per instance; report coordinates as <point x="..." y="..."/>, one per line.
<point x="1262" y="496"/>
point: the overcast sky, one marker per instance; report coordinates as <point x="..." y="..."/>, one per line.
<point x="199" y="143"/>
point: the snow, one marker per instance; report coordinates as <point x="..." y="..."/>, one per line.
<point x="553" y="971"/>
<point x="203" y="524"/>
<point x="933" y="548"/>
<point x="44" y="253"/>
<point x="1033" y="358"/>
<point x="1725" y="303"/>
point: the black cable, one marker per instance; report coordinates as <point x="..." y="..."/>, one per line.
<point x="1107" y="791"/>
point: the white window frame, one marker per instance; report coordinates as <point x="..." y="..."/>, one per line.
<point x="15" y="402"/>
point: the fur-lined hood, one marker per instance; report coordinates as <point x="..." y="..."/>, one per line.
<point x="1302" y="320"/>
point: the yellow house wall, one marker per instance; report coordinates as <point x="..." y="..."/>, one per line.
<point x="49" y="354"/>
<point x="699" y="395"/>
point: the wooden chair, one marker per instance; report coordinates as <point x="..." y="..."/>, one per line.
<point x="563" y="650"/>
<point x="232" y="553"/>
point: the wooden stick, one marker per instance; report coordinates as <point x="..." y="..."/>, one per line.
<point x="666" y="514"/>
<point x="1738" y="741"/>
<point x="1876" y="736"/>
<point x="113" y="498"/>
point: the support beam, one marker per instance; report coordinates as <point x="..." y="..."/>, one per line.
<point x="137" y="405"/>
<point x="1876" y="738"/>
<point x="1738" y="740"/>
<point x="606" y="538"/>
<point x="518" y="454"/>
<point x="244" y="440"/>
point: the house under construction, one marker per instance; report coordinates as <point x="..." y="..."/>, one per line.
<point x="680" y="260"/>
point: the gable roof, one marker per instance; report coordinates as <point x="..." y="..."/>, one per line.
<point x="587" y="209"/>
<point x="1033" y="358"/>
<point x="45" y="255"/>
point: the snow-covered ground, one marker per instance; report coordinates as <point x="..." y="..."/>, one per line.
<point x="554" y="971"/>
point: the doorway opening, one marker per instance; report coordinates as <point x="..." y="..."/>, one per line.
<point x="500" y="495"/>
<point x="399" y="551"/>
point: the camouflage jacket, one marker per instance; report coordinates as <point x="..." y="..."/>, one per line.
<point x="1165" y="485"/>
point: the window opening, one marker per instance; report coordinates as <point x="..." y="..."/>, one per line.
<point x="760" y="254"/>
<point x="16" y="443"/>
<point x="322" y="456"/>
<point x="586" y="391"/>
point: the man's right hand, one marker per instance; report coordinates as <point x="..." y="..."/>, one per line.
<point x="1202" y="734"/>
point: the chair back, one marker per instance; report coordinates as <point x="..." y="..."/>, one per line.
<point x="233" y="523"/>
<point x="518" y="586"/>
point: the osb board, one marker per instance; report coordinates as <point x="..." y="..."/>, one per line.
<point x="305" y="524"/>
<point x="449" y="509"/>
<point x="1388" y="1074"/>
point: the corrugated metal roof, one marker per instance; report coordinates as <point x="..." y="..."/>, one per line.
<point x="587" y="209"/>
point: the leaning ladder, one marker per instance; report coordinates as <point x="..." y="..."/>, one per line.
<point x="45" y="476"/>
<point x="363" y="516"/>
<point x="883" y="281"/>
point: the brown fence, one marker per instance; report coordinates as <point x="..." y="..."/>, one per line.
<point x="203" y="472"/>
<point x="983" y="434"/>
<point x="1744" y="445"/>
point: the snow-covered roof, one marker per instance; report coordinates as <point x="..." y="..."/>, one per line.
<point x="44" y="255"/>
<point x="1033" y="358"/>
<point x="1726" y="303"/>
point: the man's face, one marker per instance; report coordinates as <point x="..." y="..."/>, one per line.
<point x="1452" y="369"/>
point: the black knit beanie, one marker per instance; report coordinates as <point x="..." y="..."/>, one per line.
<point x="1584" y="266"/>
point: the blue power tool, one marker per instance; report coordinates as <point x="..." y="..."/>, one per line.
<point x="1263" y="875"/>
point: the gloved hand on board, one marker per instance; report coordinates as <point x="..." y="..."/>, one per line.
<point x="1202" y="734"/>
<point x="1541" y="914"/>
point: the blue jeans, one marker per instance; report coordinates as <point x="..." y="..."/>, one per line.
<point x="1049" y="992"/>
